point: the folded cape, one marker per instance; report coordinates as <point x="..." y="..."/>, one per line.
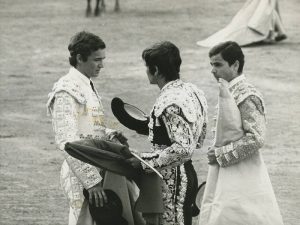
<point x="103" y="154"/>
<point x="111" y="156"/>
<point x="229" y="123"/>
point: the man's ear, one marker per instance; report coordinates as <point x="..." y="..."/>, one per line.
<point x="156" y="71"/>
<point x="78" y="58"/>
<point x="236" y="65"/>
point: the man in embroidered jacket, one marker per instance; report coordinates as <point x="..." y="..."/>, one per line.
<point x="77" y="113"/>
<point x="226" y="65"/>
<point x="177" y="127"/>
<point x="227" y="61"/>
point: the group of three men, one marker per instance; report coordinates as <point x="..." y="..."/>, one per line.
<point x="177" y="126"/>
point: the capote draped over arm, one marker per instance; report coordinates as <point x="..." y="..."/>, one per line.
<point x="254" y="126"/>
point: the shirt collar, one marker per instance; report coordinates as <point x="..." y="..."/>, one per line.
<point x="79" y="76"/>
<point x="236" y="80"/>
<point x="169" y="84"/>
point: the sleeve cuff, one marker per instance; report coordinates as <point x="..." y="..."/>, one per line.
<point x="145" y="156"/>
<point x="110" y="133"/>
<point x="93" y="178"/>
<point x="91" y="183"/>
<point x="146" y="168"/>
<point x="225" y="154"/>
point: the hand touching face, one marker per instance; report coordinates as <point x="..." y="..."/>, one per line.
<point x="222" y="69"/>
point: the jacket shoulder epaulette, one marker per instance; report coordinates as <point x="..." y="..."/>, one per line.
<point x="66" y="84"/>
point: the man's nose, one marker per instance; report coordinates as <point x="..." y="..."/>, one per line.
<point x="213" y="70"/>
<point x="100" y="65"/>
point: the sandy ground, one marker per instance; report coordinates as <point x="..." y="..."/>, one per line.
<point x="33" y="55"/>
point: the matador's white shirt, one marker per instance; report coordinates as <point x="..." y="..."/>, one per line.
<point x="77" y="113"/>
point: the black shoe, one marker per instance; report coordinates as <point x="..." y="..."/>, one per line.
<point x="280" y="37"/>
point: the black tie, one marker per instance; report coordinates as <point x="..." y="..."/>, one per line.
<point x="92" y="85"/>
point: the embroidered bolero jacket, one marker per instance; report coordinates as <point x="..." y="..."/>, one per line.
<point x="251" y="105"/>
<point x="77" y="113"/>
<point x="181" y="110"/>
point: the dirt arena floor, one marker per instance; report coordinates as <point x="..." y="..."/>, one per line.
<point x="33" y="55"/>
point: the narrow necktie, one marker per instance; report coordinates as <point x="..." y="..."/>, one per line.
<point x="92" y="85"/>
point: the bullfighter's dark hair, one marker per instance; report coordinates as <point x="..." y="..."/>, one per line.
<point x="84" y="43"/>
<point x="166" y="57"/>
<point x="230" y="52"/>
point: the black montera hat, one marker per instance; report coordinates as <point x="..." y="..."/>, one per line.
<point x="130" y="116"/>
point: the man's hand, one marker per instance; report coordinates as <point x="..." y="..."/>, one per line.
<point x="118" y="137"/>
<point x="97" y="195"/>
<point x="134" y="162"/>
<point x="211" y="156"/>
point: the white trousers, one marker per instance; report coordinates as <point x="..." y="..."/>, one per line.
<point x="72" y="217"/>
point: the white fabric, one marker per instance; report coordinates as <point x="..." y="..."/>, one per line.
<point x="241" y="193"/>
<point x="229" y="117"/>
<point x="254" y="22"/>
<point x="72" y="217"/>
